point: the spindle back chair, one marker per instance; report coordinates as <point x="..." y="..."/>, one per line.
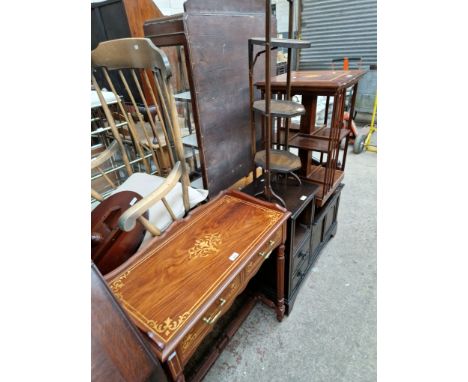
<point x="151" y="126"/>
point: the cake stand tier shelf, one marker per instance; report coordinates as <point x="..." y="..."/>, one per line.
<point x="280" y="160"/>
<point x="289" y="43"/>
<point x="273" y="160"/>
<point x="278" y="108"/>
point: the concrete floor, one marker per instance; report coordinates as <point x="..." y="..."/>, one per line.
<point x="331" y="333"/>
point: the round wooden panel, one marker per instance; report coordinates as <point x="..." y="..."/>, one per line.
<point x="110" y="246"/>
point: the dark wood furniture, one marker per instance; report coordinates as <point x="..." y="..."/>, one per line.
<point x="325" y="139"/>
<point x="118" y="352"/>
<point x="179" y="285"/>
<point x="114" y="19"/>
<point x="299" y="257"/>
<point x="110" y="246"/>
<point x="325" y="222"/>
<point x="213" y="34"/>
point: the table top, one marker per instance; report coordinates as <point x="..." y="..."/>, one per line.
<point x="167" y="286"/>
<point x="295" y="196"/>
<point x="317" y="79"/>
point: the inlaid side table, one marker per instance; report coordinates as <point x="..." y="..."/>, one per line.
<point x="178" y="286"/>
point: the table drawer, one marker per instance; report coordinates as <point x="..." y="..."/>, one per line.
<point x="191" y="341"/>
<point x="299" y="256"/>
<point x="300" y="273"/>
<point x="265" y="252"/>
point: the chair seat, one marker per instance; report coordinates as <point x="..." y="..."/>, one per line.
<point x="280" y="160"/>
<point x="144" y="184"/>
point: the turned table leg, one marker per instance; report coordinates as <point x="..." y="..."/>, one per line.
<point x="280" y="283"/>
<point x="177" y="372"/>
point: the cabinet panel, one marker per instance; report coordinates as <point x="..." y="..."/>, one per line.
<point x="299" y="256"/>
<point x="300" y="274"/>
<point x="118" y="353"/>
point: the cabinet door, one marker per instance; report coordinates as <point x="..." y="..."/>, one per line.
<point x="108" y="21"/>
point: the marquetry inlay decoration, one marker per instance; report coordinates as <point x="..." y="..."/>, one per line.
<point x="232" y="288"/>
<point x="229" y="199"/>
<point x="273" y="216"/>
<point x="206" y="246"/>
<point x="118" y="284"/>
<point x="250" y="266"/>
<point x="169" y="325"/>
<point x="188" y="340"/>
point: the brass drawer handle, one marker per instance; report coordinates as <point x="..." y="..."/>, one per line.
<point x="211" y="320"/>
<point x="271" y="242"/>
<point x="207" y="320"/>
<point x="266" y="255"/>
<point x="215" y="317"/>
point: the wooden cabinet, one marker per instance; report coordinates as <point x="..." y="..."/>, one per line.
<point x="309" y="230"/>
<point x="325" y="222"/>
<point x="114" y="19"/>
<point x="300" y="201"/>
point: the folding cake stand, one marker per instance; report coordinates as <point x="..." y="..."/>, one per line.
<point x="277" y="161"/>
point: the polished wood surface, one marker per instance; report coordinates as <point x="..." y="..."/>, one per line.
<point x="110" y="246"/>
<point x="315" y="143"/>
<point x="138" y="11"/>
<point x="287" y="109"/>
<point x="118" y="352"/>
<point x="316" y="175"/>
<point x="319" y="81"/>
<point x="180" y="284"/>
<point x="280" y="160"/>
